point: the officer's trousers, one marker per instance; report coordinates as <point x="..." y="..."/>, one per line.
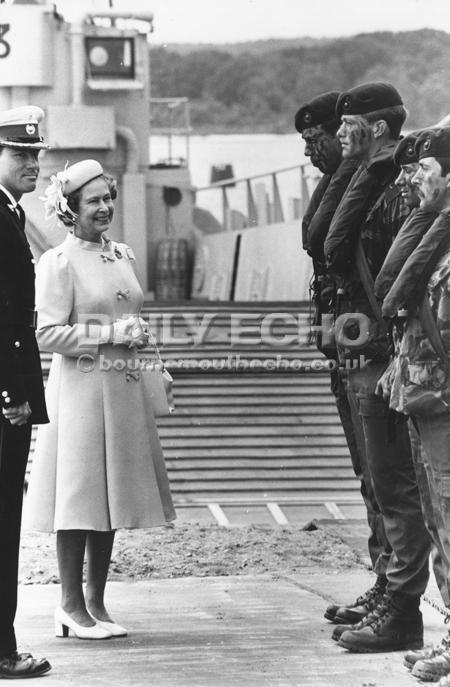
<point x="434" y="487"/>
<point x="14" y="447"/>
<point x="394" y="481"/>
<point x="347" y="406"/>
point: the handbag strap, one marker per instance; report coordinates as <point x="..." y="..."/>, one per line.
<point x="152" y="340"/>
<point x="367" y="281"/>
<point x="432" y="332"/>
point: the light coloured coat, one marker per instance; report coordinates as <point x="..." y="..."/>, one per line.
<point x="98" y="465"/>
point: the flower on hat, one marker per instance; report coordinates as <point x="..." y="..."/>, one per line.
<point x="55" y="202"/>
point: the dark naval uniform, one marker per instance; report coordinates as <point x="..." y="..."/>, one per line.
<point x="20" y="381"/>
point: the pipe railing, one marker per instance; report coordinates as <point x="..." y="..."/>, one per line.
<point x="259" y="209"/>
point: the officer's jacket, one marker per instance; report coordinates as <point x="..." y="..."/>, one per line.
<point x="20" y="365"/>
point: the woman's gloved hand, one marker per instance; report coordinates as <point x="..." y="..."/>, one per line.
<point x="125" y="332"/>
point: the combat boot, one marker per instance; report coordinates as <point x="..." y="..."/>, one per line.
<point x="399" y="627"/>
<point x="370" y="618"/>
<point x="354" y="612"/>
<point x="412" y="657"/>
<point x="431" y="669"/>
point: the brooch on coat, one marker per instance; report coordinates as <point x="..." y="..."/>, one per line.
<point x="132" y="374"/>
<point x="105" y="258"/>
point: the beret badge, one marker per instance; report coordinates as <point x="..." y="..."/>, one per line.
<point x="346" y="104"/>
<point x="410" y="150"/>
<point x="427" y="144"/>
<point x="307" y="117"/>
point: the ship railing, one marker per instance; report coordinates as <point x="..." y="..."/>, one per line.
<point x="262" y="206"/>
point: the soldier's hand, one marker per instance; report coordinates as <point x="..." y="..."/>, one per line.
<point x="18" y="415"/>
<point x="384" y="384"/>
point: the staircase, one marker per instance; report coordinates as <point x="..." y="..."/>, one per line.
<point x="253" y="422"/>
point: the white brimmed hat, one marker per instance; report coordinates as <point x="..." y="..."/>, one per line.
<point x="19" y="127"/>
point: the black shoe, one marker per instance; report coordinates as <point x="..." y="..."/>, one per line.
<point x="16" y="666"/>
<point x="370" y="618"/>
<point x="400" y="627"/>
<point x="353" y="613"/>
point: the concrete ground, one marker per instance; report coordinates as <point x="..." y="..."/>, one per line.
<point x="246" y="631"/>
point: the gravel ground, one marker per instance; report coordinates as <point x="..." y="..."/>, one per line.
<point x="197" y="550"/>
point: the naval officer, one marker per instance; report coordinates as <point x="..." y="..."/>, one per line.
<point x="21" y="387"/>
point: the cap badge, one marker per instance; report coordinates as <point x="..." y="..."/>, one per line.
<point x="427" y="144"/>
<point x="346" y="103"/>
<point x="30" y="129"/>
<point x="410" y="150"/>
<point x="307" y="117"/>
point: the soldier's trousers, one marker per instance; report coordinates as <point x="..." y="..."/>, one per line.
<point x="14" y="447"/>
<point x="394" y="481"/>
<point x="434" y="487"/>
<point x="347" y="406"/>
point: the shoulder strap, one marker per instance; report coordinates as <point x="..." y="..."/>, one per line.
<point x="367" y="281"/>
<point x="432" y="332"/>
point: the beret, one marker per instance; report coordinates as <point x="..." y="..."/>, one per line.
<point x="368" y="97"/>
<point x="79" y="174"/>
<point x="405" y="152"/>
<point x="433" y="143"/>
<point x="19" y="127"/>
<point x="319" y="111"/>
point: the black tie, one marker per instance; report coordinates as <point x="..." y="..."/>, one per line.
<point x="21" y="215"/>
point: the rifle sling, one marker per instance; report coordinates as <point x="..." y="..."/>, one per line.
<point x="368" y="282"/>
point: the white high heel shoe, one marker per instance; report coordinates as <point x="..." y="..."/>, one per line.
<point x="115" y="629"/>
<point x="64" y="624"/>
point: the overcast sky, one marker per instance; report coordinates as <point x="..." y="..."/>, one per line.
<point x="224" y="21"/>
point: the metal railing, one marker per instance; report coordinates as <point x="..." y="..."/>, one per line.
<point x="261" y="207"/>
<point x="171" y="117"/>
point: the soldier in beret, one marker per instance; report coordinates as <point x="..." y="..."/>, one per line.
<point x="424" y="369"/>
<point x="416" y="224"/>
<point x="21" y="387"/>
<point x="361" y="232"/>
<point x="317" y="123"/>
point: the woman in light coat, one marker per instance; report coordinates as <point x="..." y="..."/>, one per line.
<point x="98" y="465"/>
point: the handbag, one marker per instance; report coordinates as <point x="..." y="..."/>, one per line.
<point x="159" y="383"/>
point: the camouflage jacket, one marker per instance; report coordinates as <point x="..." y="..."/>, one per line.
<point x="418" y="364"/>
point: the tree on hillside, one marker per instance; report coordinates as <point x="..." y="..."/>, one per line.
<point x="260" y="89"/>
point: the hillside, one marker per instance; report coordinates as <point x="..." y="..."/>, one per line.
<point x="258" y="87"/>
